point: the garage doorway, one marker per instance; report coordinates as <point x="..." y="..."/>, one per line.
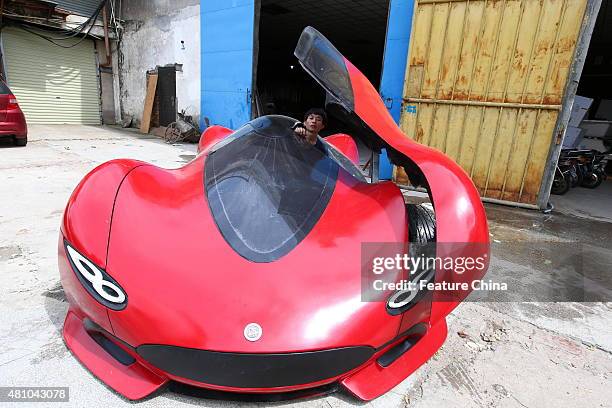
<point x="356" y="28"/>
<point x="589" y="131"/>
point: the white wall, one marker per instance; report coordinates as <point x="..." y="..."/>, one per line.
<point x="154" y="39"/>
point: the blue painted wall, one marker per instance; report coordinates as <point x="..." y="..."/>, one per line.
<point x="227" y="30"/>
<point x="394" y="65"/>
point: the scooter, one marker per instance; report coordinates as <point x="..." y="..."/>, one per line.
<point x="594" y="170"/>
<point x="584" y="168"/>
<point x="565" y="175"/>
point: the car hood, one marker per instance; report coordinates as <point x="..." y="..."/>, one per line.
<point x="187" y="286"/>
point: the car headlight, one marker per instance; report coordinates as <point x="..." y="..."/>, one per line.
<point x="96" y="281"/>
<point x="402" y="300"/>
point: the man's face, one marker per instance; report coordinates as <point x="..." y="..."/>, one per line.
<point x="314" y="123"/>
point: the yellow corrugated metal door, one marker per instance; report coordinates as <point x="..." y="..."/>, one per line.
<point x="484" y="84"/>
<point x="52" y="84"/>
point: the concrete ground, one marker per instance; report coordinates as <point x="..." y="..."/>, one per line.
<point x="496" y="354"/>
<point x="593" y="203"/>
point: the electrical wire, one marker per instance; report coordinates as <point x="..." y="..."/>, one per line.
<point x="114" y="18"/>
<point x="79" y="29"/>
<point x="52" y="40"/>
<point x="24" y="27"/>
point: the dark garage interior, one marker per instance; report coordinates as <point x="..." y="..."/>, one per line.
<point x="356" y="28"/>
<point x="591" y="130"/>
<point x="596" y="78"/>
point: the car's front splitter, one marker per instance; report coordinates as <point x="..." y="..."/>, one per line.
<point x="133" y="381"/>
<point x="374" y="380"/>
<point x="135" y="378"/>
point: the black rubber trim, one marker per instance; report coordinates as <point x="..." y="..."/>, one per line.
<point x="254" y="370"/>
<point x="309" y="393"/>
<point x="418" y="330"/>
<point x="413" y="335"/>
<point x="103" y="338"/>
<point x="396" y="352"/>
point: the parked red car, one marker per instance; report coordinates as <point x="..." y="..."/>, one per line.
<point x="242" y="270"/>
<point x="12" y="120"/>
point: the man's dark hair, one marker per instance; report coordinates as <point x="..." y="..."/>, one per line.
<point x="316" y="111"/>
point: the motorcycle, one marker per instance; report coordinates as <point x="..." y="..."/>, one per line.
<point x="585" y="168"/>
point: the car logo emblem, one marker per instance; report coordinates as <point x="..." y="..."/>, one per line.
<point x="252" y="332"/>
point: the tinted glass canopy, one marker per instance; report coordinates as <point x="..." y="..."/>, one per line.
<point x="267" y="187"/>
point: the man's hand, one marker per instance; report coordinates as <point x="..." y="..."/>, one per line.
<point x="311" y="137"/>
<point x="301" y="131"/>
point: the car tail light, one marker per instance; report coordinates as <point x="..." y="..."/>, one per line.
<point x="12" y="103"/>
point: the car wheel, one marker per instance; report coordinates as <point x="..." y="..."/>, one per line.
<point x="21" y="141"/>
<point x="421" y="224"/>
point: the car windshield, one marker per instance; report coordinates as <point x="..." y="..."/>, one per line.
<point x="267" y="187"/>
<point x="4" y="90"/>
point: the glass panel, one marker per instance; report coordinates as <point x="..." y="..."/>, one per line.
<point x="4" y="90"/>
<point x="326" y="64"/>
<point x="267" y="188"/>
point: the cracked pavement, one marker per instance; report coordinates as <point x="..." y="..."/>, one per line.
<point x="497" y="354"/>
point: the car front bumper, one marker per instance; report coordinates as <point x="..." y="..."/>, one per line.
<point x="137" y="372"/>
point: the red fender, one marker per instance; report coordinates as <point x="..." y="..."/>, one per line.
<point x="87" y="217"/>
<point x="86" y="226"/>
<point x="211" y="136"/>
<point x="346" y="145"/>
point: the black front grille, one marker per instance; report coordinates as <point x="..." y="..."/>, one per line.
<point x="254" y="370"/>
<point x="207" y="393"/>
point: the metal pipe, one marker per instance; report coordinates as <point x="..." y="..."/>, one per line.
<point x="374" y="170"/>
<point x="483" y="103"/>
<point x="108" y="62"/>
<point x="510" y="203"/>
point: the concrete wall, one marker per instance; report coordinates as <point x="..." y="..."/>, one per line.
<point x="152" y="37"/>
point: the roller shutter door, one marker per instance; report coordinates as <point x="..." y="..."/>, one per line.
<point x="53" y="85"/>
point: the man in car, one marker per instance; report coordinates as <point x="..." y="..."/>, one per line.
<point x="315" y="120"/>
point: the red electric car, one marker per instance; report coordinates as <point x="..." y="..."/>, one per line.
<point x="241" y="271"/>
<point x="12" y="120"/>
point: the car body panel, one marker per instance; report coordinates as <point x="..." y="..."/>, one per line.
<point x="346" y="145"/>
<point x="374" y="380"/>
<point x="133" y="381"/>
<point x="95" y="194"/>
<point x="86" y="226"/>
<point x="460" y="215"/>
<point x="212" y="135"/>
<point x="292" y="315"/>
